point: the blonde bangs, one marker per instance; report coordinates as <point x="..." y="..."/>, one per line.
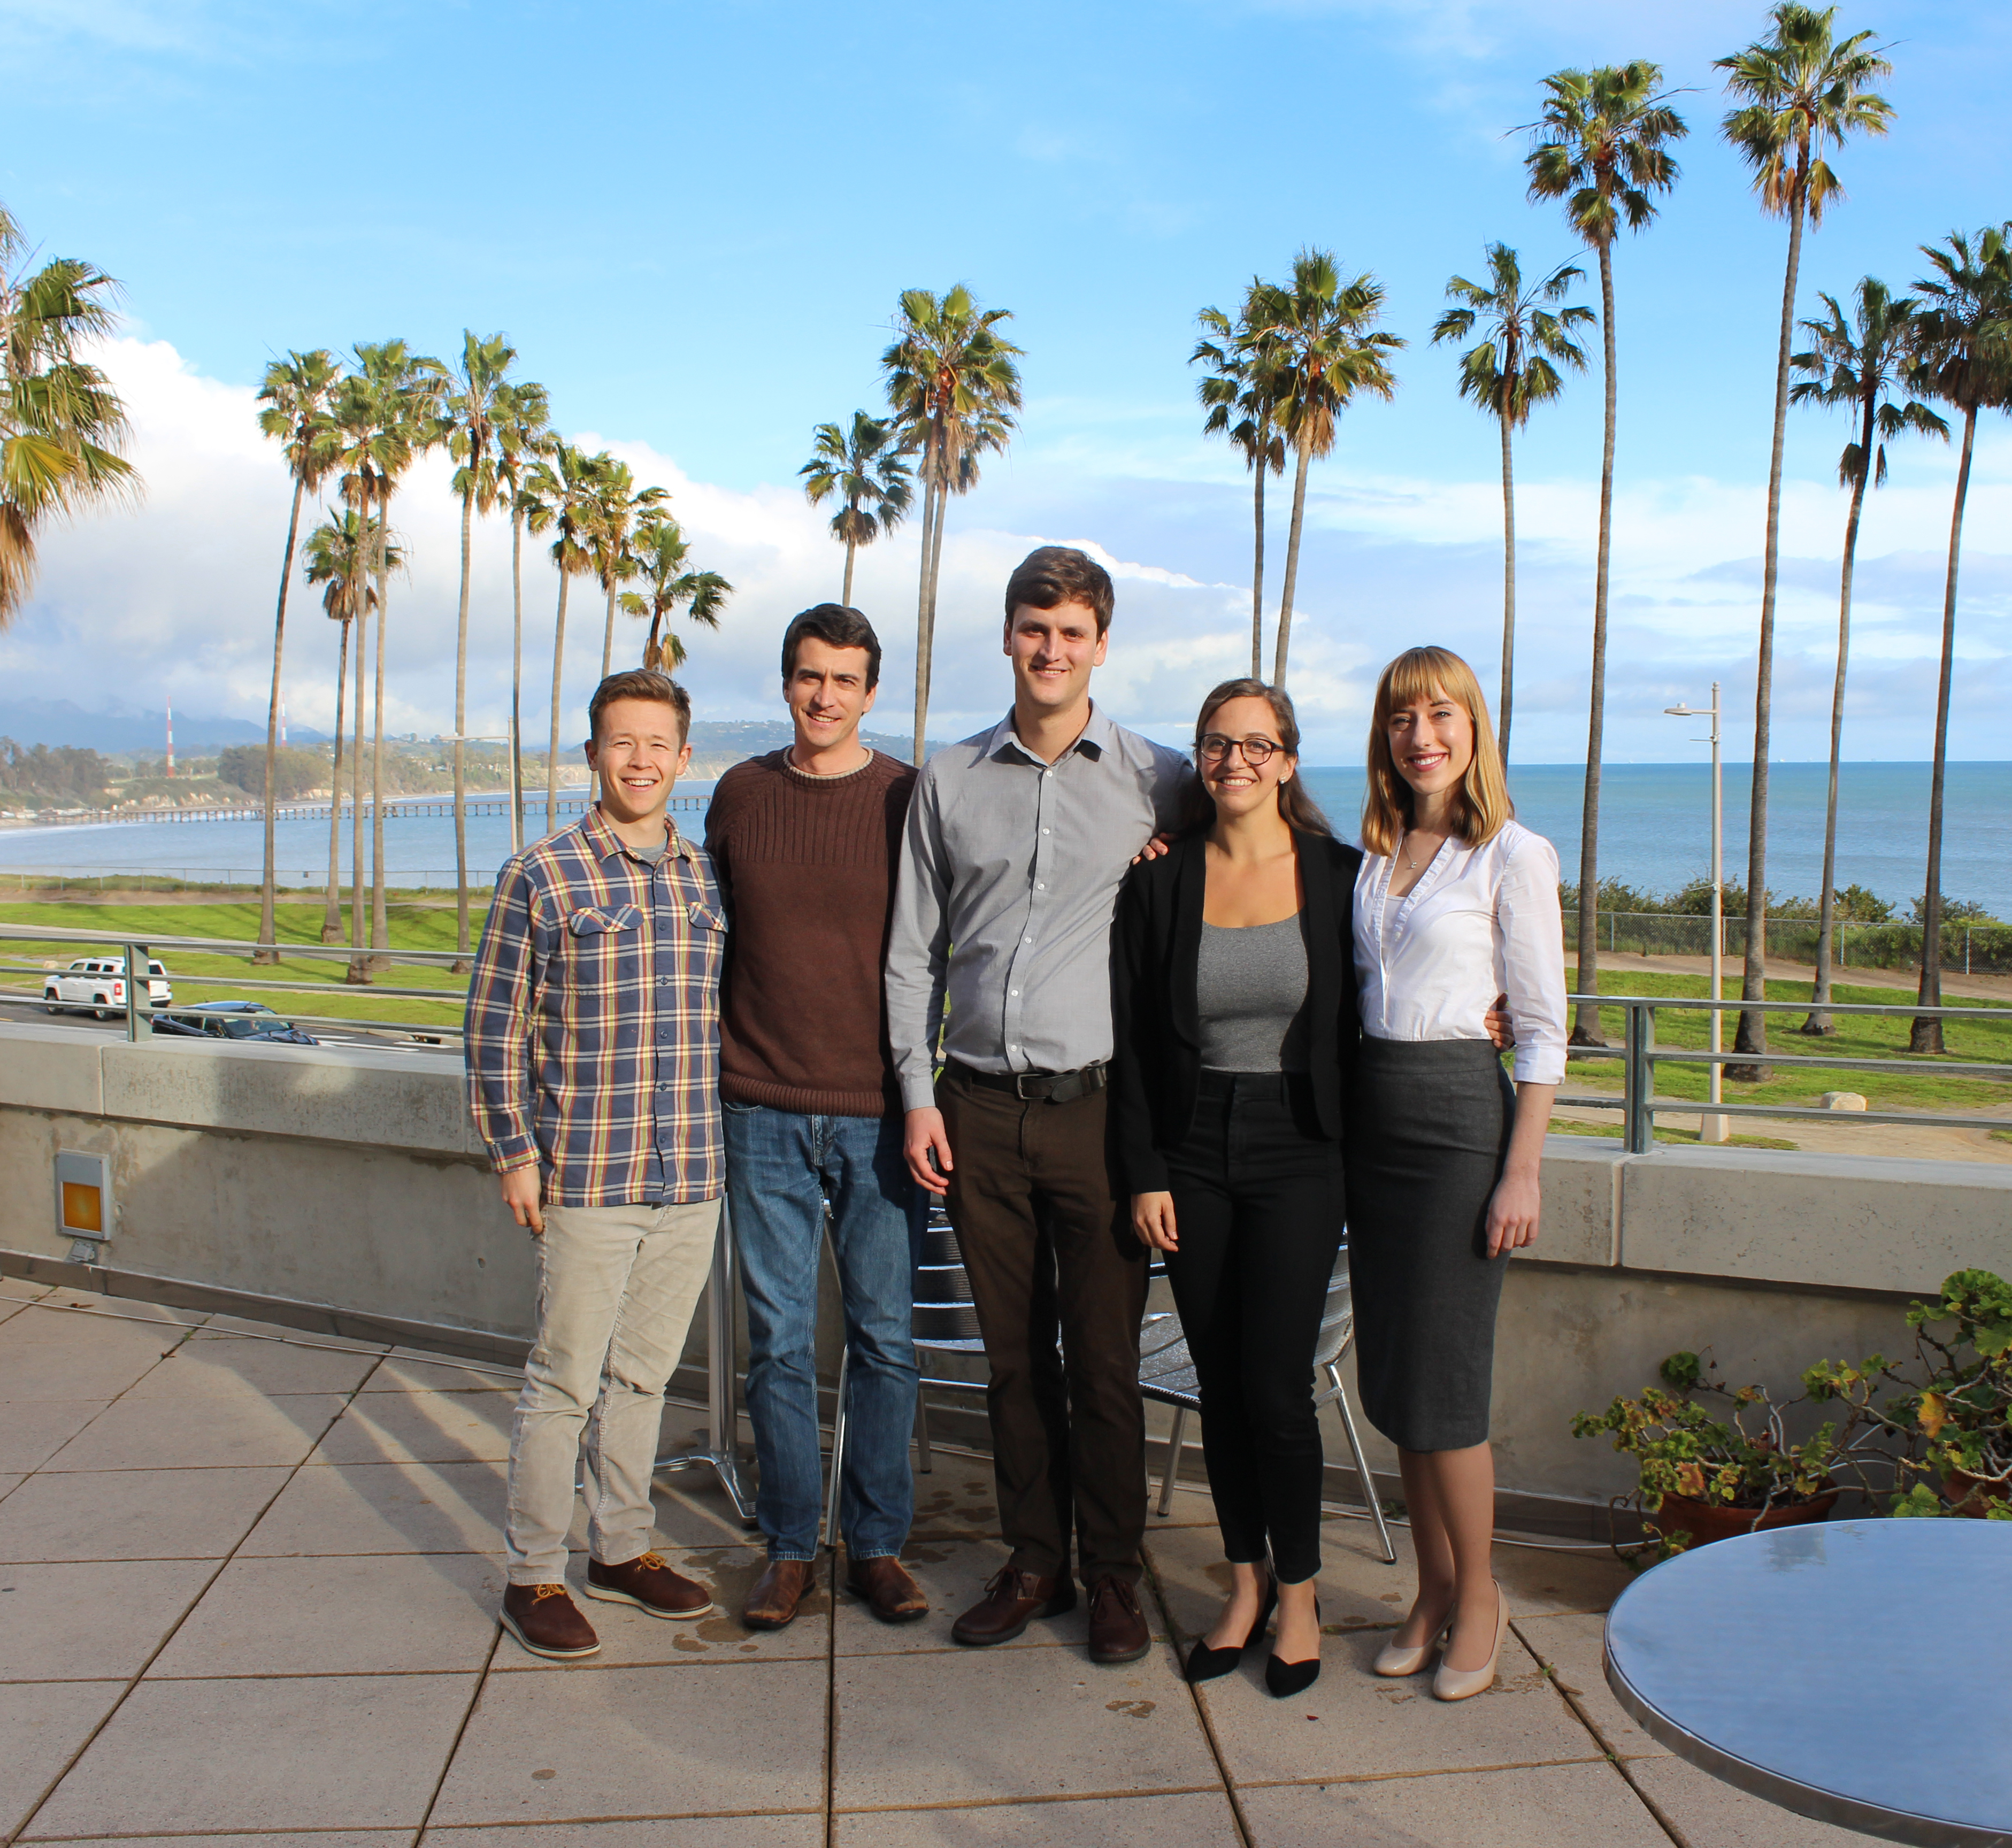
<point x="1483" y="805"/>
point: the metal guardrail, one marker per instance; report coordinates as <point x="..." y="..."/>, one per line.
<point x="139" y="1007"/>
<point x="1638" y="1054"/>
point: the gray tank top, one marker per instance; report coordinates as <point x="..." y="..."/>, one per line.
<point x="1251" y="990"/>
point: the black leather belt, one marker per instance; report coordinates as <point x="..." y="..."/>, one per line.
<point x="1052" y="1087"/>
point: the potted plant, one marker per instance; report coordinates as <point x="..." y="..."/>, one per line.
<point x="1950" y="1416"/>
<point x="1704" y="1477"/>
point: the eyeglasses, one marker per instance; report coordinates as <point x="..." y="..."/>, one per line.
<point x="1212" y="747"/>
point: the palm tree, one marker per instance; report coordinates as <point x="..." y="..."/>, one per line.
<point x="953" y="386"/>
<point x="559" y="493"/>
<point x="1242" y="401"/>
<point x="1317" y="339"/>
<point x="296" y="393"/>
<point x="618" y="503"/>
<point x="338" y="555"/>
<point x="469" y="414"/>
<point x="1964" y="342"/>
<point x="61" y="425"/>
<point x="866" y="466"/>
<point x="1800" y="88"/>
<point x="1600" y="145"/>
<point x="1855" y="363"/>
<point x="390" y="407"/>
<point x="1507" y="375"/>
<point x="663" y="561"/>
<point x="522" y="435"/>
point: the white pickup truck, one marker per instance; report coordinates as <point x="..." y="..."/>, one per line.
<point x="97" y="984"/>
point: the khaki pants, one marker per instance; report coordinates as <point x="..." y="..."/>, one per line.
<point x="616" y="1288"/>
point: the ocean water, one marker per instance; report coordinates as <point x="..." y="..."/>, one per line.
<point x="1655" y="831"/>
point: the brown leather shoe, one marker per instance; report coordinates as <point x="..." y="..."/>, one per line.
<point x="1117" y="1632"/>
<point x="547" y="1623"/>
<point x="1012" y="1600"/>
<point x="650" y="1585"/>
<point x="890" y="1592"/>
<point x="772" y="1604"/>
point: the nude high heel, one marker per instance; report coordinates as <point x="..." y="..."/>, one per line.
<point x="1462" y="1684"/>
<point x="1395" y="1662"/>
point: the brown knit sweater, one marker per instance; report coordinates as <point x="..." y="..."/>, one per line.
<point x="807" y="863"/>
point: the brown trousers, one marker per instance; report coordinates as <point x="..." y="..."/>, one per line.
<point x="1050" y="1252"/>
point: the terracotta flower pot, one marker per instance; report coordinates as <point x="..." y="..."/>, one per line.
<point x="1708" y="1521"/>
<point x="1971" y="1495"/>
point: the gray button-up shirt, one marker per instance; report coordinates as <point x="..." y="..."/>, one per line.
<point x="1009" y="876"/>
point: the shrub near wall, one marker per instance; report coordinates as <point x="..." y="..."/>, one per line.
<point x="1977" y="949"/>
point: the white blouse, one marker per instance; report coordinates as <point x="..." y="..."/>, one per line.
<point x="1481" y="920"/>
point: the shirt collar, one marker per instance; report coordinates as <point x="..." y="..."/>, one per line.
<point x="1095" y="737"/>
<point x="606" y="843"/>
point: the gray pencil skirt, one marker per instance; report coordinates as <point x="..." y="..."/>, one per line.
<point x="1428" y="1129"/>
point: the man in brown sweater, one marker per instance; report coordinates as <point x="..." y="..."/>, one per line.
<point x="804" y="843"/>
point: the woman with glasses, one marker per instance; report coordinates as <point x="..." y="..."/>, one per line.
<point x="1234" y="1009"/>
<point x="1455" y="904"/>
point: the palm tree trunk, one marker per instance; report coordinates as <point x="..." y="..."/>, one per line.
<point x="608" y="631"/>
<point x="650" y="657"/>
<point x="845" y="596"/>
<point x="1927" y="1032"/>
<point x="516" y="671"/>
<point x="1292" y="569"/>
<point x="1585" y="1026"/>
<point x="267" y="924"/>
<point x="1257" y="575"/>
<point x="331" y="919"/>
<point x="558" y="669"/>
<point x="1820" y="1021"/>
<point x="932" y="497"/>
<point x="359" y="963"/>
<point x="460" y="729"/>
<point x="936" y="581"/>
<point x="1752" y="1034"/>
<point x="380" y="926"/>
<point x="1508" y="591"/>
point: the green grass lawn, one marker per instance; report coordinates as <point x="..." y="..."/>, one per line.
<point x="1858" y="1036"/>
<point x="413" y="927"/>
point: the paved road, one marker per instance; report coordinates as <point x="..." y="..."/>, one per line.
<point x="335" y="1038"/>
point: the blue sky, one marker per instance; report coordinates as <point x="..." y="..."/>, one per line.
<point x="694" y="222"/>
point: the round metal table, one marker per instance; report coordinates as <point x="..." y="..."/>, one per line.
<point x="1858" y="1672"/>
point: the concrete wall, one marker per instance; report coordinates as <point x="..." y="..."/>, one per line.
<point x="348" y="1190"/>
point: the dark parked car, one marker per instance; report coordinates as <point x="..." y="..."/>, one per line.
<point x="232" y="1020"/>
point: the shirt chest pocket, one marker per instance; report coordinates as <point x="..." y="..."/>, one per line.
<point x="708" y="925"/>
<point x="604" y="947"/>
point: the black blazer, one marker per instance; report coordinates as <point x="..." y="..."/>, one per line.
<point x="1156" y="946"/>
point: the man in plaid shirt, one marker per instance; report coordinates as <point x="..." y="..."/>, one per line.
<point x="593" y="1050"/>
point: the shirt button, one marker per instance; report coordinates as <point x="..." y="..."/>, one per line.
<point x="1027" y="939"/>
<point x="1012" y="991"/>
<point x="1039" y="887"/>
<point x="1047" y="830"/>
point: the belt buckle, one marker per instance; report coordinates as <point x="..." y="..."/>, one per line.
<point x="1020" y="1087"/>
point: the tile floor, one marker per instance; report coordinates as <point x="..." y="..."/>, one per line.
<point x="247" y="1580"/>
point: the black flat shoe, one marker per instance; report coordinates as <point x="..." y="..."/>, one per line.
<point x="1283" y="1680"/>
<point x="1205" y="1663"/>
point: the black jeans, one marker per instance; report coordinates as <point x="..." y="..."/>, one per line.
<point x="1259" y="1210"/>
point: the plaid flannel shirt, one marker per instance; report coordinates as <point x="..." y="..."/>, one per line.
<point x="593" y="1024"/>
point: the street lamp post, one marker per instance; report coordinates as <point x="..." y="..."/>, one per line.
<point x="1711" y="1124"/>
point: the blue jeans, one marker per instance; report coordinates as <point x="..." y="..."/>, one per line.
<point x="781" y="1169"/>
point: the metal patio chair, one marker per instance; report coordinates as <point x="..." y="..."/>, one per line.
<point x="944" y="1323"/>
<point x="1167" y="1374"/>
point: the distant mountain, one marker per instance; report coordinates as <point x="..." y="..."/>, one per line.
<point x="124" y="727"/>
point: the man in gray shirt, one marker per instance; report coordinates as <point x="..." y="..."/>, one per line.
<point x="1017" y="841"/>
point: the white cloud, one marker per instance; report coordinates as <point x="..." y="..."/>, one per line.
<point x="176" y="600"/>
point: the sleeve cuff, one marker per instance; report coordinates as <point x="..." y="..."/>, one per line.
<point x="513" y="1152"/>
<point x="1540" y="1066"/>
<point x="918" y="1090"/>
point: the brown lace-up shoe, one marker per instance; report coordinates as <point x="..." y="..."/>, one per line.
<point x="890" y="1592"/>
<point x="1012" y="1600"/>
<point x="547" y="1623"/>
<point x="1117" y="1632"/>
<point x="650" y="1585"/>
<point x="772" y="1605"/>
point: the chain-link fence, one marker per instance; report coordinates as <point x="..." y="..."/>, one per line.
<point x="1975" y="949"/>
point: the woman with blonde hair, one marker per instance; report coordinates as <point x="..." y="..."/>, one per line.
<point x="1455" y="903"/>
